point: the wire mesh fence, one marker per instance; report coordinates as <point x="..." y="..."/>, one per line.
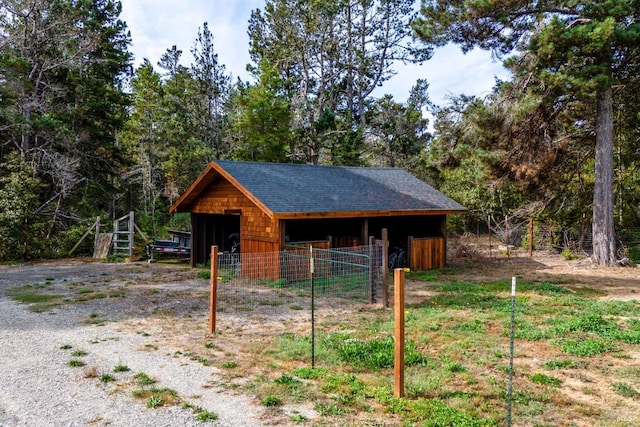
<point x="576" y="240"/>
<point x="272" y="281"/>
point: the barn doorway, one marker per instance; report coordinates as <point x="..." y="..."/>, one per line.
<point x="208" y="230"/>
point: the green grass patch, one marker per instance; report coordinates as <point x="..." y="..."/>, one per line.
<point x="76" y="363"/>
<point x="270" y="401"/>
<point x="559" y="364"/>
<point x="106" y="378"/>
<point x="121" y="368"/>
<point x="156" y="397"/>
<point x="229" y="364"/>
<point x="372" y="354"/>
<point x="33" y="295"/>
<point x="587" y="348"/>
<point x="626" y="390"/>
<point x="143" y="379"/>
<point x="542" y="379"/>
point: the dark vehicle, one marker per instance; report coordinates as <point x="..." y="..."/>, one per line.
<point x="180" y="244"/>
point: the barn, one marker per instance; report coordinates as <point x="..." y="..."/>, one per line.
<point x="265" y="206"/>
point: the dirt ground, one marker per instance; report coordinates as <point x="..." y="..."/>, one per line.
<point x="168" y="302"/>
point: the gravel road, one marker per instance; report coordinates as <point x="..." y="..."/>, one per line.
<point x="39" y="388"/>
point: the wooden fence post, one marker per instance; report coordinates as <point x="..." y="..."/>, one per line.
<point x="213" y="294"/>
<point x="398" y="309"/>
<point x="385" y="268"/>
<point x="530" y="237"/>
<point x="372" y="284"/>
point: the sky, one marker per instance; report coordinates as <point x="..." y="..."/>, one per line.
<point x="157" y="25"/>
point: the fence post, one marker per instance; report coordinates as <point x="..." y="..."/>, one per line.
<point x="511" y="350"/>
<point x="372" y="287"/>
<point x="398" y="309"/>
<point x="530" y="237"/>
<point x="385" y="268"/>
<point x="489" y="220"/>
<point x="313" y="308"/>
<point x="213" y="294"/>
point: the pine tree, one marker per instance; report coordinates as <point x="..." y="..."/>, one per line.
<point x="580" y="46"/>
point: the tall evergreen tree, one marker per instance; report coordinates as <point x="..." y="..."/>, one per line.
<point x="579" y="46"/>
<point x="213" y="90"/>
<point x="332" y="56"/>
<point x="63" y="64"/>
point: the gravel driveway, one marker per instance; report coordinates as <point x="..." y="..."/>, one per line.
<point x="39" y="388"/>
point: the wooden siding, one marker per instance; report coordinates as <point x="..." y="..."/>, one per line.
<point x="258" y="231"/>
<point x="426" y="253"/>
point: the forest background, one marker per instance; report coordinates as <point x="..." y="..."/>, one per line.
<point x="84" y="134"/>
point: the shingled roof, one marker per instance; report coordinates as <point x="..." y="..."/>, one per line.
<point x="285" y="188"/>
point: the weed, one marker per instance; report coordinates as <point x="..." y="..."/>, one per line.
<point x="328" y="409"/>
<point x="286" y="380"/>
<point x="76" y="363"/>
<point x="105" y="378"/>
<point x="434" y="413"/>
<point x="143" y="379"/>
<point x="201" y="359"/>
<point x="559" y="364"/>
<point x="310" y="373"/>
<point x="280" y="283"/>
<point x="270" y="401"/>
<point x="208" y="345"/>
<point x="568" y="255"/>
<point x="374" y="354"/>
<point x="204" y="274"/>
<point x="298" y="418"/>
<point x="65" y="347"/>
<point x="206" y="416"/>
<point x="547" y="288"/>
<point x="543" y="379"/>
<point x="79" y="353"/>
<point x="625" y="390"/>
<point x="154" y="402"/>
<point x="455" y="367"/>
<point x="157" y="396"/>
<point x="229" y="364"/>
<point x="121" y="368"/>
<point x="586" y="348"/>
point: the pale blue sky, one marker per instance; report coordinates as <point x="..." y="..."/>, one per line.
<point x="156" y="25"/>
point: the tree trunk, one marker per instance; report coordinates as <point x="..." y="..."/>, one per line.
<point x="604" y="242"/>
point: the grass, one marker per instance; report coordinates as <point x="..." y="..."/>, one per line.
<point x="156" y="397"/>
<point x="143" y="379"/>
<point x="457" y="357"/>
<point x="202" y="415"/>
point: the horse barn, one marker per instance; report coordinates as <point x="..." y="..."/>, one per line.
<point x="267" y="206"/>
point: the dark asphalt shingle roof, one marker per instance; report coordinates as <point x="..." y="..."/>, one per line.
<point x="301" y="188"/>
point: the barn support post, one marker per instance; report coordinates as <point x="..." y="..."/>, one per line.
<point x="213" y="294"/>
<point x="385" y="268"/>
<point x="398" y="310"/>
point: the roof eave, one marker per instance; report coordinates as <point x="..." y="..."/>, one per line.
<point x="360" y="214"/>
